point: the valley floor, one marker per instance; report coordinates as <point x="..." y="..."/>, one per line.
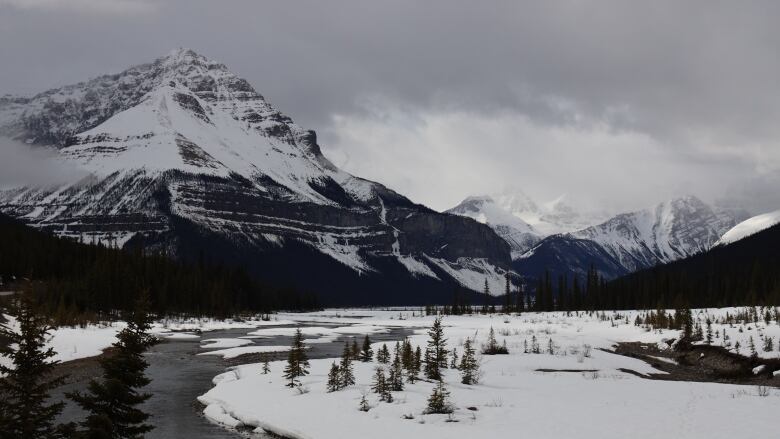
<point x="577" y="389"/>
<point x="563" y="394"/>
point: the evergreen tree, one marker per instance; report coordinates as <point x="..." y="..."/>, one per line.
<point x="346" y="374"/>
<point x="366" y="354"/>
<point x="396" y="375"/>
<point x="683" y="319"/>
<point x="469" y="365"/>
<point x="436" y="352"/>
<point x="417" y="359"/>
<point x="407" y="355"/>
<point x="297" y="361"/>
<point x="535" y="345"/>
<point x="26" y="386"/>
<point x="266" y="367"/>
<point x="355" y="350"/>
<point x="438" y="402"/>
<point x="380" y="385"/>
<point x="383" y="355"/>
<point x="492" y="347"/>
<point x="364" y="407"/>
<point x="112" y="403"/>
<point x="507" y="294"/>
<point x="486" y="292"/>
<point x="334" y="378"/>
<point x="752" y="347"/>
<point x="454" y="362"/>
<point x="708" y="338"/>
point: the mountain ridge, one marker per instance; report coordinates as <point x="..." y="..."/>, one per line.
<point x="181" y="151"/>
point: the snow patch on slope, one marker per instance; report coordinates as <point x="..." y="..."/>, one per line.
<point x="472" y="273"/>
<point x="749" y="227"/>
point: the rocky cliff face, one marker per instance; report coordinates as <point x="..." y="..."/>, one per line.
<point x="185" y="156"/>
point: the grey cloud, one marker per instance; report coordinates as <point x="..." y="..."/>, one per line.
<point x="698" y="78"/>
<point x="21" y="165"/>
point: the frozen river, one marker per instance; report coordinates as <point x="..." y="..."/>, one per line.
<point x="179" y="376"/>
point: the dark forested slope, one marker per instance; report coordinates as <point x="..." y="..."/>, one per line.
<point x="746" y="272"/>
<point x="73" y="278"/>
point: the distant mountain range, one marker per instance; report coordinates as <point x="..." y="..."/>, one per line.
<point x="615" y="246"/>
<point x="521" y="221"/>
<point x="184" y="157"/>
<point x="187" y="158"/>
<point x="745" y="271"/>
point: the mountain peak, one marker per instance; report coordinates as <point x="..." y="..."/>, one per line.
<point x="181" y="53"/>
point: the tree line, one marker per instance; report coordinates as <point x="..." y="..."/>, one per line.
<point x="745" y="273"/>
<point x="111" y="402"/>
<point x="72" y="279"/>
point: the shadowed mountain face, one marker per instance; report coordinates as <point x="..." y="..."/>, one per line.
<point x="185" y="157"/>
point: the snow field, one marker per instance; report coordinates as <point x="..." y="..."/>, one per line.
<point x="513" y="398"/>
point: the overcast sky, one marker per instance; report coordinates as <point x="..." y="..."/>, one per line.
<point x="616" y="104"/>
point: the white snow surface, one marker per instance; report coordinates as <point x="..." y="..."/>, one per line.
<point x="513" y="397"/>
<point x="73" y="343"/>
<point x="749" y="227"/>
<point x="243" y="350"/>
<point x="222" y="343"/>
<point x="472" y="273"/>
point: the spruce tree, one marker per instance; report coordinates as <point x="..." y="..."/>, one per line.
<point x="266" y="367"/>
<point x="355" y="350"/>
<point x="486" y="292"/>
<point x="507" y="294"/>
<point x="438" y="402"/>
<point x="334" y="378"/>
<point x="407" y="355"/>
<point x="469" y="365"/>
<point x="383" y="355"/>
<point x="297" y="361"/>
<point x="535" y="345"/>
<point x="366" y="354"/>
<point x="752" y="347"/>
<point x="396" y="375"/>
<point x="454" y="362"/>
<point x="24" y="412"/>
<point x="364" y="407"/>
<point x="346" y="374"/>
<point x="436" y="352"/>
<point x="112" y="403"/>
<point x="380" y="385"/>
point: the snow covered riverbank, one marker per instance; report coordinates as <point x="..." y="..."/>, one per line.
<point x="579" y="395"/>
<point x="76" y="342"/>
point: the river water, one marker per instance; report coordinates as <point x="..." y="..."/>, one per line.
<point x="179" y="376"/>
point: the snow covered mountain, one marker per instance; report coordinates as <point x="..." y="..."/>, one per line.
<point x="520" y="235"/>
<point x="750" y="227"/>
<point x="521" y="221"/>
<point x="186" y="157"/>
<point x="632" y="241"/>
